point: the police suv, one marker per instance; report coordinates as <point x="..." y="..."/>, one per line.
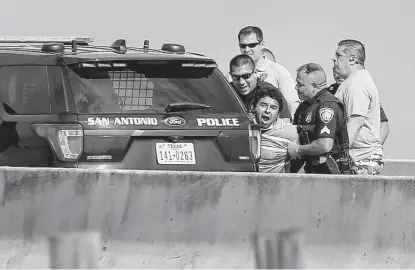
<point x="67" y="103"/>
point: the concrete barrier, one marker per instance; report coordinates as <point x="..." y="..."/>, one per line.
<point x="154" y="219"/>
<point x="401" y="167"/>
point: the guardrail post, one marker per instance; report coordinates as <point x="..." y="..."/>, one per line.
<point x="74" y="250"/>
<point x="281" y="250"/>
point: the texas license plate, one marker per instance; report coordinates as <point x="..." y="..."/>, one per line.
<point x="175" y="153"/>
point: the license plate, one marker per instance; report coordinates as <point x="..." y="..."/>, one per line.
<point x="175" y="153"/>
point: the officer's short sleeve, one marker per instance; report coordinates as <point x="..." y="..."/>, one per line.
<point x="327" y="119"/>
<point x="383" y="117"/>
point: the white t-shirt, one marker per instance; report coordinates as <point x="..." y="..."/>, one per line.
<point x="277" y="75"/>
<point x="360" y="97"/>
<point x="274" y="145"/>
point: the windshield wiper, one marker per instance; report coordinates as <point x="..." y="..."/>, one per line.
<point x="185" y="106"/>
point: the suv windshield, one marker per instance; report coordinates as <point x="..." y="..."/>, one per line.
<point x="149" y="87"/>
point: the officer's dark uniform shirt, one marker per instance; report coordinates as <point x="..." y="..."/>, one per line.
<point x="333" y="89"/>
<point x="249" y="99"/>
<point x="325" y="112"/>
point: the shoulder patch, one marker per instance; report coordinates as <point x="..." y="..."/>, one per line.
<point x="326" y="114"/>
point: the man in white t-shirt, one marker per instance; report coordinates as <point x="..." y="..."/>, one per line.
<point x="361" y="101"/>
<point x="251" y="42"/>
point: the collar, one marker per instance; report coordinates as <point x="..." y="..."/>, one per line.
<point x="264" y="66"/>
<point x="321" y="92"/>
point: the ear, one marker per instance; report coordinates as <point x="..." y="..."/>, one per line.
<point x="352" y="60"/>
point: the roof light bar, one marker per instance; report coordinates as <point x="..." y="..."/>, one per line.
<point x="207" y="65"/>
<point x="34" y="39"/>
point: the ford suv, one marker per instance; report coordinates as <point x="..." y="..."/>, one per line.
<point x="68" y="103"/>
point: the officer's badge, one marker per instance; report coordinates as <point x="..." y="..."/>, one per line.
<point x="263" y="76"/>
<point x="308" y="118"/>
<point x="326" y="114"/>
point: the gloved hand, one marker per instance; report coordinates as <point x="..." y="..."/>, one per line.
<point x="293" y="150"/>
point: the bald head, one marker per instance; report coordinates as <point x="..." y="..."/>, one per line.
<point x="315" y="74"/>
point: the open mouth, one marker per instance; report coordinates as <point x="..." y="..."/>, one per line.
<point x="265" y="118"/>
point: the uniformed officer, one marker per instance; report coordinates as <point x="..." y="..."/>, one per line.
<point x="321" y="125"/>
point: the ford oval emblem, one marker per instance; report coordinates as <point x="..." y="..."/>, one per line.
<point x="175" y="121"/>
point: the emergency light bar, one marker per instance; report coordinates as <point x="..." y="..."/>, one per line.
<point x="33" y="39"/>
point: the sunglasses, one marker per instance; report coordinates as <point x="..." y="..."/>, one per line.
<point x="245" y="76"/>
<point x="250" y="45"/>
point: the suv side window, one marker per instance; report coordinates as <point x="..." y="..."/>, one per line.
<point x="27" y="89"/>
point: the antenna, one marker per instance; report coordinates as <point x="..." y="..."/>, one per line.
<point x="146" y="45"/>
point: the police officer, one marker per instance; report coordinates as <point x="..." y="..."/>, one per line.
<point x="321" y="125"/>
<point x="247" y="84"/>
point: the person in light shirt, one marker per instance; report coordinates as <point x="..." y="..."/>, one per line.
<point x="275" y="133"/>
<point x="384" y="121"/>
<point x="267" y="52"/>
<point x="251" y="43"/>
<point x="361" y="100"/>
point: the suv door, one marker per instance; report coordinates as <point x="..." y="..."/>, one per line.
<point x="30" y="95"/>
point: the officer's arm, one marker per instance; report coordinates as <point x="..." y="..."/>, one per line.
<point x="325" y="130"/>
<point x="317" y="147"/>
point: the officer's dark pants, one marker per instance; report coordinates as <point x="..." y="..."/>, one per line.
<point x="317" y="169"/>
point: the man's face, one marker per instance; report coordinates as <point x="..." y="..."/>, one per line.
<point x="304" y="87"/>
<point x="341" y="62"/>
<point x="244" y="79"/>
<point x="267" y="112"/>
<point x="249" y="45"/>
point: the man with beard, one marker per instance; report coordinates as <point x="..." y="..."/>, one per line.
<point x="321" y="124"/>
<point x="275" y="133"/>
<point x="246" y="83"/>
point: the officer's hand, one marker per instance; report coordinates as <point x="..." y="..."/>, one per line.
<point x="293" y="150"/>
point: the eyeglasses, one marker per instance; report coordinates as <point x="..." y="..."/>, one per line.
<point x="250" y="45"/>
<point x="245" y="76"/>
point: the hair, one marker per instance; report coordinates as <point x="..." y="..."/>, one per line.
<point x="266" y="50"/>
<point x="356" y="48"/>
<point x="240" y="60"/>
<point x="248" y="30"/>
<point x="315" y="70"/>
<point x="269" y="91"/>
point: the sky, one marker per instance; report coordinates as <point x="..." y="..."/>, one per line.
<point x="296" y="31"/>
